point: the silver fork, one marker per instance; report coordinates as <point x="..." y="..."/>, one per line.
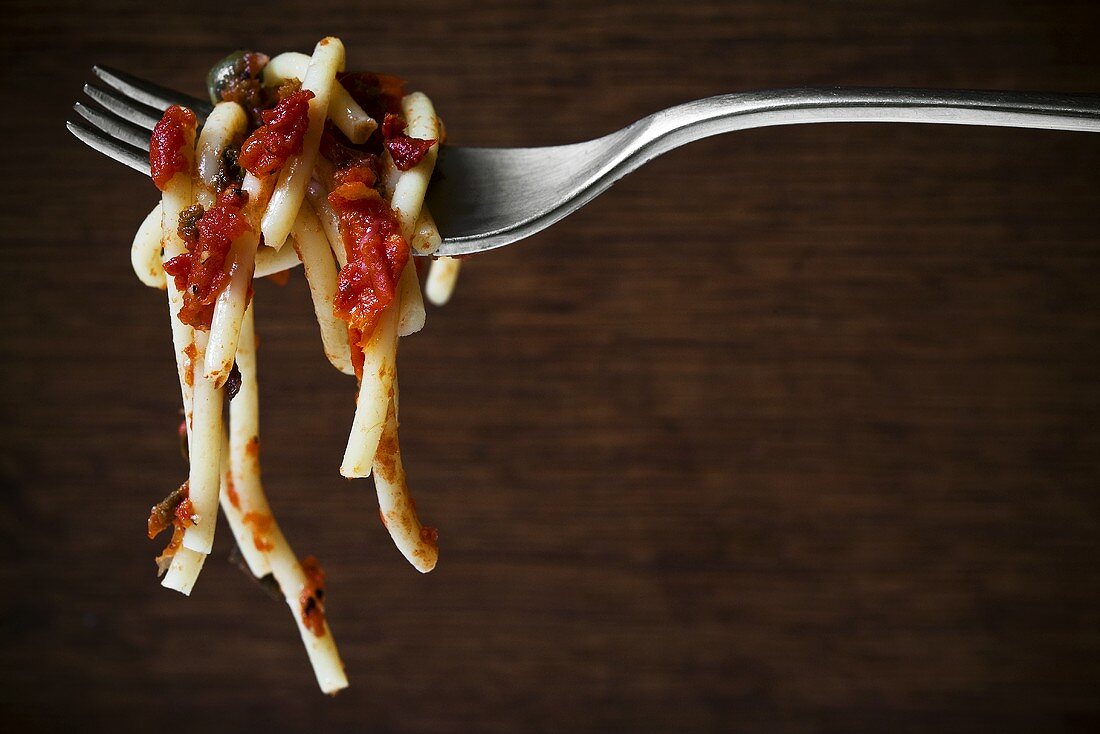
<point x="483" y="198"/>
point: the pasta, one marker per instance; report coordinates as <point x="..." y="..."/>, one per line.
<point x="312" y="246"/>
<point x="442" y="276"/>
<point x="343" y="110"/>
<point x="337" y="164"/>
<point x="294" y="177"/>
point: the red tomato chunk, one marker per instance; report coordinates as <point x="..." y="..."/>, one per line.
<point x="377" y="253"/>
<point x="281" y="136"/>
<point x="199" y="273"/>
<point x="170" y="135"/>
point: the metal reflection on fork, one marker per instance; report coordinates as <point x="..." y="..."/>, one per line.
<point x="483" y="198"/>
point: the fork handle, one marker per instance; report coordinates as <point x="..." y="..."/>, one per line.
<point x="725" y="113"/>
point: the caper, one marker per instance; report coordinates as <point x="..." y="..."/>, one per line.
<point x="221" y="73"/>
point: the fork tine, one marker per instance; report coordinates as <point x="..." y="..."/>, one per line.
<point x="122" y="107"/>
<point x="114" y="126"/>
<point x="121" y="152"/>
<point x="156" y="96"/>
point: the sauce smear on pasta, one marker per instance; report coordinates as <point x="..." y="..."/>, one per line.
<point x="200" y="273"/>
<point x="170" y="134"/>
<point x="377" y="253"/>
<point x="280" y="137"/>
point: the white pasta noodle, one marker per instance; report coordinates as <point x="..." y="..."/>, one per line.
<point x="175" y="198"/>
<point x="318" y="198"/>
<point x="416" y="542"/>
<point x="244" y="426"/>
<point x="240" y="265"/>
<point x="425" y="237"/>
<point x="226" y="124"/>
<point x="225" y="325"/>
<point x="410" y="316"/>
<point x="183" y="570"/>
<point x="264" y="534"/>
<point x="408" y="200"/>
<point x="259" y="191"/>
<point x="257" y="560"/>
<point x="327" y="59"/>
<point x="389" y="174"/>
<point x="185" y="564"/>
<point x="443" y="271"/>
<point x="145" y="252"/>
<point x="320" y="269"/>
<point x="440" y="283"/>
<point x="204" y="452"/>
<point x="270" y="262"/>
<point x="344" y="111"/>
<point x="412" y="185"/>
<point x="372" y="400"/>
<point x="321" y="649"/>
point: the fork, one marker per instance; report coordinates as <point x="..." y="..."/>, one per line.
<point x="483" y="198"/>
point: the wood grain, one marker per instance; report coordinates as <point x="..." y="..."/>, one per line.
<point x="811" y="444"/>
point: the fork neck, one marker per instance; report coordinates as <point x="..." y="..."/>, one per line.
<point x="725" y="113"/>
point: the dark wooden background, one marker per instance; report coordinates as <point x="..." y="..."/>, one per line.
<point x="794" y="430"/>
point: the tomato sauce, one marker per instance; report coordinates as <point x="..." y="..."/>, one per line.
<point x="170" y="135"/>
<point x="376" y="254"/>
<point x="199" y="273"/>
<point x="376" y="251"/>
<point x="177" y="512"/>
<point x="231" y="492"/>
<point x="260" y="523"/>
<point x="281" y="136"/>
<point x="351" y="163"/>
<point x="192" y="355"/>
<point x="312" y="599"/>
<point x="358" y="359"/>
<point x="405" y="151"/>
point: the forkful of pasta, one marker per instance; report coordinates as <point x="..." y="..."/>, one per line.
<point x="295" y="161"/>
